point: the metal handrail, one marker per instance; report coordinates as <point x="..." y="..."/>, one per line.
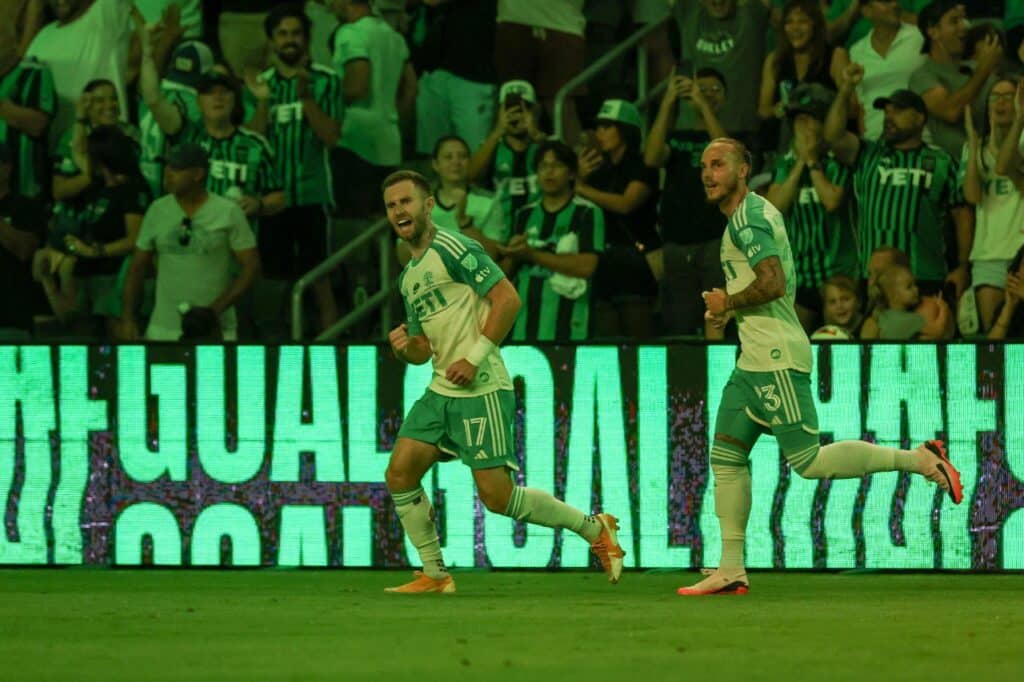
<point x="380" y="230"/>
<point x="595" y="69"/>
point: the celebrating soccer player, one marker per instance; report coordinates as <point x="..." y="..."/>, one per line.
<point x="460" y="307"/>
<point x="770" y="389"/>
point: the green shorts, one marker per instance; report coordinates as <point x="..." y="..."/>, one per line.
<point x="476" y="429"/>
<point x="754" y="403"/>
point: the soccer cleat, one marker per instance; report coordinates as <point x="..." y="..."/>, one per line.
<point x="717" y="583"/>
<point x="424" y="583"/>
<point x="940" y="470"/>
<point x="607" y="548"/>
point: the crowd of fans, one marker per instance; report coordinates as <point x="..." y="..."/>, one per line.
<point x="168" y="168"/>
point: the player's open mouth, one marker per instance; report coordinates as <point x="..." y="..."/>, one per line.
<point x="405" y="222"/>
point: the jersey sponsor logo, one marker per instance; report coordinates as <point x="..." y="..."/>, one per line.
<point x="521" y="187"/>
<point x="999" y="187"/>
<point x="429" y="303"/>
<point x="482" y="275"/>
<point x="287" y="113"/>
<point x="469" y="262"/>
<point x="228" y="170"/>
<point x="808" y="195"/>
<point x="720" y="46"/>
<point x="905" y="177"/>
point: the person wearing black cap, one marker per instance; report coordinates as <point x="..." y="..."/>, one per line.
<point x="946" y="82"/>
<point x="241" y="161"/>
<point x="168" y="103"/>
<point x="195" y="235"/>
<point x="22" y="230"/>
<point x="906" y="190"/>
<point x="811" y="189"/>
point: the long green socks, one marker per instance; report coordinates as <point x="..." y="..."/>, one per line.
<point x="544" y="509"/>
<point x="417" y="516"/>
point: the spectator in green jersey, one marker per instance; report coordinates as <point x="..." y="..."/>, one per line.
<point x="907" y="191"/>
<point x="812" y="189"/>
<point x="28" y="103"/>
<point x="554" y="253"/>
<point x="506" y="159"/>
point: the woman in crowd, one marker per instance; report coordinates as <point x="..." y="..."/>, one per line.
<point x="802" y="56"/>
<point x="91" y="236"/>
<point x="998" y="204"/>
<point x="612" y="174"/>
<point x="460" y="207"/>
<point x="98" y="106"/>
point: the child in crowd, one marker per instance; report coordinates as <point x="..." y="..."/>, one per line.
<point x="841" y="310"/>
<point x="901" y="314"/>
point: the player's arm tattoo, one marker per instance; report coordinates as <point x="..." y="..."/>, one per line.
<point x="769" y="285"/>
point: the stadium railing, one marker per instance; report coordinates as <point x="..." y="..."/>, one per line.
<point x="381" y="231"/>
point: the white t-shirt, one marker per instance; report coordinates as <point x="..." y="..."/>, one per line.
<point x="324" y="25"/>
<point x="370" y="128"/>
<point x="999" y="218"/>
<point x="884" y="75"/>
<point x="191" y="14"/>
<point x="482" y="207"/>
<point x="93" y="46"/>
<point x="198" y="272"/>
<point x="557" y="15"/>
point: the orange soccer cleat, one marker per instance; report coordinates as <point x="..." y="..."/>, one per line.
<point x="423" y="583"/>
<point x="607" y="548"/>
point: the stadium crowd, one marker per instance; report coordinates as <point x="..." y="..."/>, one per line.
<point x="169" y="168"/>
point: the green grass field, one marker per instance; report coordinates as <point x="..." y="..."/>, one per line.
<point x="94" y="624"/>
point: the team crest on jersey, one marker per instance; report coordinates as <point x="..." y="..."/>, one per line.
<point x="746" y="236"/>
<point x="428" y="278"/>
<point x="469" y="262"/>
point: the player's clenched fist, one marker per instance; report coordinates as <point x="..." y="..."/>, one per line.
<point x="399" y="338"/>
<point x="461" y="373"/>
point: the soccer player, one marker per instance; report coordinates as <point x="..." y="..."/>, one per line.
<point x="460" y="306"/>
<point x="770" y="389"/>
<point x="905" y="188"/>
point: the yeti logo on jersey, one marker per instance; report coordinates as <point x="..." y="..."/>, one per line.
<point x="808" y="195"/>
<point x="904" y="177"/>
<point x="469" y="262"/>
<point x="287" y="113"/>
<point x="228" y="170"/>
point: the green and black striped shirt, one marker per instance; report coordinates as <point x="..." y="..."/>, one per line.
<point x="822" y="242"/>
<point x="303" y="161"/>
<point x="904" y="198"/>
<point x="514" y="178"/>
<point x="243" y="160"/>
<point x="29" y="84"/>
<point x="546" y="314"/>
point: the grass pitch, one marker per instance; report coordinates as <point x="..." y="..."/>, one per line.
<point x="94" y="624"/>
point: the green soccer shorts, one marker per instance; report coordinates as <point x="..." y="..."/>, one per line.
<point x="476" y="429"/>
<point x="754" y="403"/>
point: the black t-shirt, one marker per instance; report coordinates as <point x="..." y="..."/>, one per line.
<point x="685" y="215"/>
<point x="24" y="215"/>
<point x="98" y="217"/>
<point x="640" y="226"/>
<point x="460" y="40"/>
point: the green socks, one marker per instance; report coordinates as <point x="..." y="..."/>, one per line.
<point x="732" y="506"/>
<point x="855" y="458"/>
<point x="417" y="516"/>
<point x="544" y="509"/>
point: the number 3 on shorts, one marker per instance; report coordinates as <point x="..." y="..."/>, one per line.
<point x="771" y="400"/>
<point x="480" y="426"/>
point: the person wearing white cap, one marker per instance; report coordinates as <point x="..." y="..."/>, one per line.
<point x="614" y="177"/>
<point x="505" y="160"/>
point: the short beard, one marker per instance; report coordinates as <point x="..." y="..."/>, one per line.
<point x="301" y="55"/>
<point x="898" y="136"/>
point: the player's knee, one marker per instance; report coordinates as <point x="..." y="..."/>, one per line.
<point x="398" y="479"/>
<point x="803" y="462"/>
<point x="495" y="500"/>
